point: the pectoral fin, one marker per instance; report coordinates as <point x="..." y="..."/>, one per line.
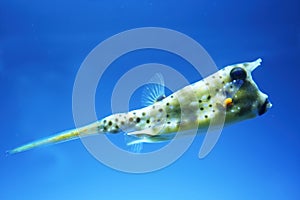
<point x="154" y="91"/>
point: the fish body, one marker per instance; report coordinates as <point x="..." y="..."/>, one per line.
<point x="231" y="90"/>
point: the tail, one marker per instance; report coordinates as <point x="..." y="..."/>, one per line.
<point x="58" y="138"/>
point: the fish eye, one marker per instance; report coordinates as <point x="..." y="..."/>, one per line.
<point x="238" y="73"/>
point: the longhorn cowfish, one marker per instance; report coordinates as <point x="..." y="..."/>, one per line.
<point x="230" y="90"/>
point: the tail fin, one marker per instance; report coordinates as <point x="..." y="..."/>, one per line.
<point x="54" y="139"/>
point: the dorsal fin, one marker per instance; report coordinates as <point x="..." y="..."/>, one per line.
<point x="154" y="91"/>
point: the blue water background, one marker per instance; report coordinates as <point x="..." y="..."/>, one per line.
<point x="42" y="45"/>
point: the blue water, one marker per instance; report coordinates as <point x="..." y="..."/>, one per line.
<point x="42" y="45"/>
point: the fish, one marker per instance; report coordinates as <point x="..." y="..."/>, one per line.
<point x="230" y="90"/>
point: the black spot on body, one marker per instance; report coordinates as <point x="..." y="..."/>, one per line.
<point x="138" y="120"/>
<point x="109" y="123"/>
<point x="160" y="98"/>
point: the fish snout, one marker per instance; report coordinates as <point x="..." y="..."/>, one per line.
<point x="264" y="107"/>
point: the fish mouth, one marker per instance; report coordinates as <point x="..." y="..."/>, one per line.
<point x="264" y="107"/>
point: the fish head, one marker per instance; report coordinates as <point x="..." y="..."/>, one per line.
<point x="243" y="98"/>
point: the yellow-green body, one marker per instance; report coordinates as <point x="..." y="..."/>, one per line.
<point x="189" y="108"/>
